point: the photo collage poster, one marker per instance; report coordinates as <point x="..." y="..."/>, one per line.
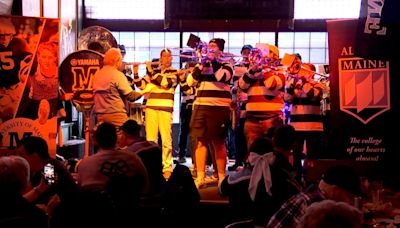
<point x="29" y="100"/>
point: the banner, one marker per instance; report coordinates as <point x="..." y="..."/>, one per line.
<point x="364" y="99"/>
<point x="76" y="73"/>
<point x="378" y="29"/>
<point x="28" y="79"/>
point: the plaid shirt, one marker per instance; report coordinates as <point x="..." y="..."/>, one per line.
<point x="289" y="215"/>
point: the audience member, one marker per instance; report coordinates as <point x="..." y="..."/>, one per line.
<point x="339" y="183"/>
<point x="15" y="210"/>
<point x="149" y="152"/>
<point x="58" y="197"/>
<point x="96" y="171"/>
<point x="331" y="214"/>
<point x="35" y="150"/>
<point x="116" y="177"/>
<point x="259" y="189"/>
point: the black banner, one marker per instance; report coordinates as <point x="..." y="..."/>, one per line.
<point x="76" y="73"/>
<point x="365" y="100"/>
<point x="378" y="29"/>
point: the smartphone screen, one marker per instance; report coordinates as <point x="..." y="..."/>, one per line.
<point x="48" y="173"/>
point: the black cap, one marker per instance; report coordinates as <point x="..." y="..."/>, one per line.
<point x="122" y="48"/>
<point x="247" y="46"/>
<point x="131" y="127"/>
<point x="220" y="43"/>
<point x="344" y="177"/>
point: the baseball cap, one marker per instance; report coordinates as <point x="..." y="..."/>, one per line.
<point x="344" y="177"/>
<point x="247" y="46"/>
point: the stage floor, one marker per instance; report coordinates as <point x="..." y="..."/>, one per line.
<point x="210" y="193"/>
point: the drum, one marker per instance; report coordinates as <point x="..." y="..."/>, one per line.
<point x="136" y="112"/>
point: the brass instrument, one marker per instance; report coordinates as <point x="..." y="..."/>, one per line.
<point x="202" y="51"/>
<point x="258" y="58"/>
<point x="96" y="38"/>
<point x="141" y="63"/>
<point x="295" y="65"/>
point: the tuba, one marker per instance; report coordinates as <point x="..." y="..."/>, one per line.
<point x="96" y="38"/>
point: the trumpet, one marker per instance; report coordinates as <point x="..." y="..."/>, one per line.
<point x="140" y="63"/>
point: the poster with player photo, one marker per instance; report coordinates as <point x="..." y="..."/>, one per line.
<point x="29" y="55"/>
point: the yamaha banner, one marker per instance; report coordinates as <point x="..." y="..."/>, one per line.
<point x="76" y="73"/>
<point x="364" y="99"/>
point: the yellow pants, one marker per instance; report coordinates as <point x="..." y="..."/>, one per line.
<point x="158" y="121"/>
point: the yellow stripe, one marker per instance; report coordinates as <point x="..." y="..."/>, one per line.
<point x="212" y="101"/>
<point x="159" y="89"/>
<point x="257" y="90"/>
<point x="214" y="86"/>
<point x="307" y="126"/>
<point x="263" y="106"/>
<point x="305" y="109"/>
<point x="160" y="102"/>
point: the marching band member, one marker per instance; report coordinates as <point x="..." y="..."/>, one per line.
<point x="265" y="90"/>
<point x="239" y="100"/>
<point x="160" y="84"/>
<point x="211" y="109"/>
<point x="187" y="97"/>
<point x="305" y="94"/>
<point x="141" y="83"/>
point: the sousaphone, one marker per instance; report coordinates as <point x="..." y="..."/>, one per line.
<point x="96" y="38"/>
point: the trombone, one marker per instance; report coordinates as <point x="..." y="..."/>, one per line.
<point x="294" y="65"/>
<point x="295" y="69"/>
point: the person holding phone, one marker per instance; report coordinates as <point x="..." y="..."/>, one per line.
<point x="48" y="174"/>
<point x="46" y="191"/>
<point x="15" y="210"/>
